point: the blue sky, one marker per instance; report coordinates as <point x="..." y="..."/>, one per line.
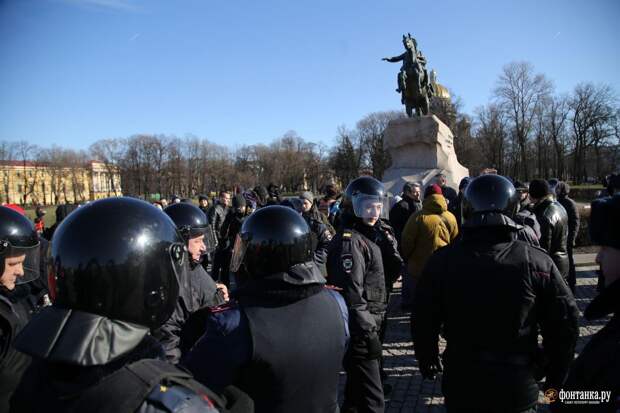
<point x="244" y="72"/>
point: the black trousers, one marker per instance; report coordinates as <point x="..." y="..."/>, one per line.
<point x="572" y="275"/>
<point x="221" y="266"/>
<point x="363" y="391"/>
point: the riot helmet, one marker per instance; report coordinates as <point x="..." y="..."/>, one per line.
<point x="271" y="240"/>
<point x="120" y="258"/>
<point x="489" y="196"/>
<point x="365" y="197"/>
<point x="189" y="219"/>
<point x="294" y="203"/>
<point x="19" y="249"/>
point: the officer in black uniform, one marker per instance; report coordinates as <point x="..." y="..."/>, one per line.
<point x="598" y="364"/>
<point x="197" y="289"/>
<point x="490" y="293"/>
<point x="19" y="246"/>
<point x="356" y="266"/>
<point x="114" y="276"/>
<point x="284" y="340"/>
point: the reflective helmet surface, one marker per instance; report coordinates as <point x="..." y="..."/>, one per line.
<point x="490" y="193"/>
<point x="272" y="240"/>
<point x="120" y="258"/>
<point x="18" y="236"/>
<point x="188" y="218"/>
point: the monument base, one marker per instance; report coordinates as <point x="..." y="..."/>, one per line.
<point x="420" y="147"/>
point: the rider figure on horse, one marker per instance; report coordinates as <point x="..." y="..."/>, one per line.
<point x="414" y="63"/>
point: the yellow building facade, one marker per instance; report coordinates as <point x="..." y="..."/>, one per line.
<point x="32" y="183"/>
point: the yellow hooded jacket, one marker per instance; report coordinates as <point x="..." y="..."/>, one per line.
<point x="426" y="231"/>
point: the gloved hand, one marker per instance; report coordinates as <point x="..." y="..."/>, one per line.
<point x="374" y="347"/>
<point x="430" y="368"/>
<point x="367" y="347"/>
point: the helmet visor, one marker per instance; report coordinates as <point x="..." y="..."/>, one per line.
<point x="22" y="263"/>
<point x="238" y="254"/>
<point x="370" y="206"/>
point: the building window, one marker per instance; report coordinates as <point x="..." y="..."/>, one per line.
<point x="19" y="188"/>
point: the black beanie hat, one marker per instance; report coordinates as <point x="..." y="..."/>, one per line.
<point x="238" y="201"/>
<point x="539" y="188"/>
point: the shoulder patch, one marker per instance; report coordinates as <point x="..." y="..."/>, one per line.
<point x="347" y="263"/>
<point x="347" y="234"/>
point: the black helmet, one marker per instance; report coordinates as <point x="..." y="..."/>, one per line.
<point x="272" y="240"/>
<point x="18" y="237"/>
<point x="120" y="258"/>
<point x="488" y="195"/>
<point x="293" y="203"/>
<point x="605" y="221"/>
<point x="362" y="191"/>
<point x="189" y="219"/>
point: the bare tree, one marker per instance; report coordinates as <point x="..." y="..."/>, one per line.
<point x="520" y="92"/>
<point x="371" y="132"/>
<point x="593" y="119"/>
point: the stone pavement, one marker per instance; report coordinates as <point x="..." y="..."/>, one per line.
<point x="413" y="394"/>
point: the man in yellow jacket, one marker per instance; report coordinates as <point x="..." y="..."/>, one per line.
<point x="426" y="231"/>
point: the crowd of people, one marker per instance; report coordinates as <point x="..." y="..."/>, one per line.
<point x="254" y="301"/>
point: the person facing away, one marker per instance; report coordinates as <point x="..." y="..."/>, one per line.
<point x="490" y="295"/>
<point x="282" y="341"/>
<point x="115" y="277"/>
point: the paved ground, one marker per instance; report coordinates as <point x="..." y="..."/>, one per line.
<point x="412" y="394"/>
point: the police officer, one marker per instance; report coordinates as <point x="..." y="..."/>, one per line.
<point x="284" y="340"/>
<point x="197" y="288"/>
<point x="115" y="269"/>
<point x="355" y="265"/>
<point x="598" y="365"/>
<point x="19" y="246"/>
<point x="490" y="292"/>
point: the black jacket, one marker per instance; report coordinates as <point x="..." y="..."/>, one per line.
<point x="217" y="215"/>
<point x="573" y="219"/>
<point x="14" y="315"/>
<point x="400" y="213"/>
<point x="490" y="294"/>
<point x="598" y="365"/>
<point x="382" y="234"/>
<point x="354" y="263"/>
<point x="74" y="352"/>
<point x="197" y="290"/>
<point x="553" y="221"/>
<point x="281" y="343"/>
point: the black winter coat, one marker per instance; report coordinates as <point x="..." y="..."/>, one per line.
<point x="598" y="365"/>
<point x="400" y="213"/>
<point x="553" y="221"/>
<point x="573" y="219"/>
<point x="490" y="294"/>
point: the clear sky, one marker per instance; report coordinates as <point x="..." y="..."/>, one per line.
<point x="244" y="72"/>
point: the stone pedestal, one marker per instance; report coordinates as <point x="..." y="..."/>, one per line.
<point x="421" y="147"/>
